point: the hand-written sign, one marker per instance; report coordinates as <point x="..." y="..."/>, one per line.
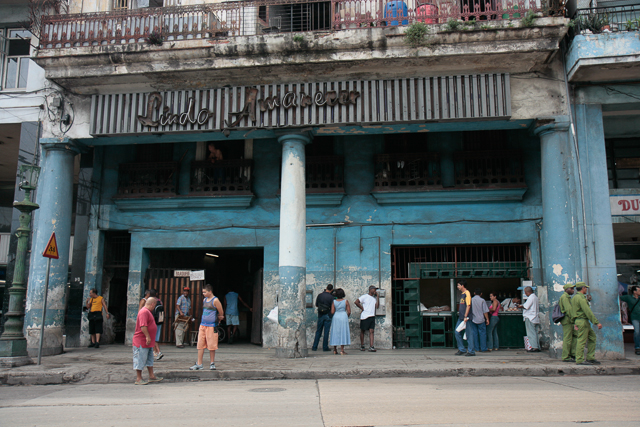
<point x="287" y="100"/>
<point x="51" y="250"/>
<point x="196" y="275"/>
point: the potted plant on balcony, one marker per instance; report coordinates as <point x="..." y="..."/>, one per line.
<point x="595" y="23"/>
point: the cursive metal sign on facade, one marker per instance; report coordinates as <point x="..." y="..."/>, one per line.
<point x="361" y="102"/>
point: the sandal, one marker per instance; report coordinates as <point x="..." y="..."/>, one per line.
<point x="343" y="353"/>
<point x="335" y="351"/>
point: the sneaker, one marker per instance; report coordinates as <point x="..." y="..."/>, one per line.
<point x="97" y="345"/>
<point x="361" y="348"/>
<point x="212" y="367"/>
<point x="470" y="354"/>
<point x="594" y="362"/>
<point x="196" y="367"/>
<point x="586" y="362"/>
<point x="460" y="353"/>
<point x="569" y="360"/>
<point x="638" y="351"/>
<point x="159" y="356"/>
<point x="372" y="349"/>
<point x="91" y="345"/>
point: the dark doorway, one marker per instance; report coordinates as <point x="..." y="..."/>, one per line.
<point x="237" y="270"/>
<point x="117" y="245"/>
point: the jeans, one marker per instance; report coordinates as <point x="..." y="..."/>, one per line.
<point x="492" y="333"/>
<point x="479" y="332"/>
<point x="472" y="337"/>
<point x="532" y="333"/>
<point x="636" y="333"/>
<point x="324" y="323"/>
<point x="459" y="339"/>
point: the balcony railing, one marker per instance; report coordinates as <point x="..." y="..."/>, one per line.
<point x="325" y="174"/>
<point x="148" y="179"/>
<point x="407" y="172"/>
<point x="224" y="177"/>
<point x="602" y="19"/>
<point x="489" y="169"/>
<point x="246" y="18"/>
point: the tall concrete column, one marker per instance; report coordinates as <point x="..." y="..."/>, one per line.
<point x="55" y="196"/>
<point x="600" y="254"/>
<point x="292" y="339"/>
<point x="560" y="233"/>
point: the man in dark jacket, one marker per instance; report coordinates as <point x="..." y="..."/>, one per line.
<point x="323" y="302"/>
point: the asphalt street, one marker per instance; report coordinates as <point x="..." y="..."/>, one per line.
<point x="471" y="401"/>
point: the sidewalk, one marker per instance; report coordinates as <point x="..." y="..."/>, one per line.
<point x="113" y="364"/>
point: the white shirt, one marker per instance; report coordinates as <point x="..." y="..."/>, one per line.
<point x="531" y="309"/>
<point x="369" y="306"/>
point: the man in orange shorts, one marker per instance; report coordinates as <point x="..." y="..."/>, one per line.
<point x="212" y="314"/>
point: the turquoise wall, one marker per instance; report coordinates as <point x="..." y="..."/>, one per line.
<point x="357" y="256"/>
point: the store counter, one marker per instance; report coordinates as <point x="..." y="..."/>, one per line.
<point x="511" y="330"/>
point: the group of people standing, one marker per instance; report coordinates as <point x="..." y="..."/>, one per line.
<point x="333" y="319"/>
<point x="576" y="325"/>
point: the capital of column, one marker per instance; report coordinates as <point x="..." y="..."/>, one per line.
<point x="545" y="127"/>
<point x="302" y="137"/>
<point x="63" y="144"/>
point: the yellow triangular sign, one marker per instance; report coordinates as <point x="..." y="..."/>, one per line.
<point x="51" y="251"/>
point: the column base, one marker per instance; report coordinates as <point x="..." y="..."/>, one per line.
<point x="13" y="348"/>
<point x="14" y="362"/>
<point x="290" y="353"/>
<point x="51" y="345"/>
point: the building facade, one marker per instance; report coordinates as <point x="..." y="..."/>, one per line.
<point x="275" y="147"/>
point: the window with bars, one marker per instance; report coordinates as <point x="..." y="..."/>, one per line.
<point x="16" y="50"/>
<point x="137" y="4"/>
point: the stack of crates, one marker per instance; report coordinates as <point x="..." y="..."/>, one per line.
<point x="413" y="318"/>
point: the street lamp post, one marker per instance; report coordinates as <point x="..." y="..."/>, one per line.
<point x="12" y="342"/>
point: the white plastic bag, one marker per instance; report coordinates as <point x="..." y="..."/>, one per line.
<point x="527" y="345"/>
<point x="273" y="315"/>
<point x="461" y="327"/>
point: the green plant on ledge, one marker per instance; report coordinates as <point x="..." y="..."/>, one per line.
<point x="155" y="38"/>
<point x="485" y="27"/>
<point x="453" y="25"/>
<point x="416" y="34"/>
<point x="529" y="19"/>
<point x="298" y="38"/>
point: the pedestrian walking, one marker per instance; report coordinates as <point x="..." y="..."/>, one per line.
<point x="95" y="304"/>
<point x="143" y="342"/>
<point x="368" y="304"/>
<point x="212" y="315"/>
<point x="340" y="333"/>
<point x="158" y="316"/>
<point x="586" y="336"/>
<point x="569" y="340"/>
<point x="464" y="311"/>
<point x="183" y="309"/>
<point x="633" y="302"/>
<point x="493" y="342"/>
<point x="530" y="313"/>
<point x="324" y="301"/>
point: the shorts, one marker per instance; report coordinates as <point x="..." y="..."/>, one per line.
<point x="232" y="319"/>
<point x="95" y="326"/>
<point x="142" y="357"/>
<point x="158" y="333"/>
<point x="368" y="324"/>
<point x="207" y="338"/>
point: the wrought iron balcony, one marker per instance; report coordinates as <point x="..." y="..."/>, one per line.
<point x="596" y="20"/>
<point x="254" y="17"/>
<point x="407" y="172"/>
<point x="324" y="174"/>
<point x="489" y="169"/>
<point x="159" y="179"/>
<point x="224" y="177"/>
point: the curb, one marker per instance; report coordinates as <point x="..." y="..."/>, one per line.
<point x="85" y="377"/>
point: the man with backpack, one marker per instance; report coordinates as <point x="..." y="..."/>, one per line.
<point x="323" y="302"/>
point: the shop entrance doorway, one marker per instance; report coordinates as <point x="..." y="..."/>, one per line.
<point x="425" y="298"/>
<point x="227" y="270"/>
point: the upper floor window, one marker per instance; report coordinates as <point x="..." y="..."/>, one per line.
<point x="136" y="4"/>
<point x="16" y="49"/>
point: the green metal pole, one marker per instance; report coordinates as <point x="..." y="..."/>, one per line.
<point x="12" y="341"/>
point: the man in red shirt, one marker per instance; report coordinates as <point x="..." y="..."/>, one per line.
<point x="144" y="339"/>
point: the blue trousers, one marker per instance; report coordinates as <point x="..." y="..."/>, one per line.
<point x="459" y="335"/>
<point x="636" y="333"/>
<point x="492" y="333"/>
<point x="324" y="323"/>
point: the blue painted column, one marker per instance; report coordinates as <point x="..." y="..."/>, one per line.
<point x="601" y="258"/>
<point x="560" y="232"/>
<point x="292" y="338"/>
<point x="55" y="196"/>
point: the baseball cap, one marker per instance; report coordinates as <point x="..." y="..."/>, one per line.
<point x="581" y="284"/>
<point x="569" y="285"/>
